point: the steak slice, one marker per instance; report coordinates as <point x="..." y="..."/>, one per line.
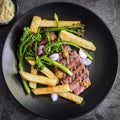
<point x="80" y="79"/>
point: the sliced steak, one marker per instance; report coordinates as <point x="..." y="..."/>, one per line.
<point x="80" y="79"/>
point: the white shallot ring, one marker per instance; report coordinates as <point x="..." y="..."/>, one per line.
<point x="54" y="97"/>
<point x="40" y="51"/>
<point x="82" y="53"/>
<point x="86" y="61"/>
<point x="54" y="56"/>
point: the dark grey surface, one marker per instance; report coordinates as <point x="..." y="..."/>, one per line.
<point x="109" y="109"/>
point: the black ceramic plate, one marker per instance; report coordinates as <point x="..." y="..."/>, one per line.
<point x="102" y="71"/>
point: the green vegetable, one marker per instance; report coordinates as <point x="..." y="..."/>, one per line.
<point x="52" y="48"/>
<point x="46" y="60"/>
<point x="25" y="33"/>
<point x="88" y="55"/>
<point x="56" y="47"/>
<point x="47" y="36"/>
<point x="39" y="64"/>
<point x="56" y="19"/>
<point x="77" y="29"/>
<point x="26" y="40"/>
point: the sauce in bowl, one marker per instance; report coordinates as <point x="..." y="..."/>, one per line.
<point x="7" y="11"/>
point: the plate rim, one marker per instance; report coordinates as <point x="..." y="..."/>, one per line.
<point x="27" y="12"/>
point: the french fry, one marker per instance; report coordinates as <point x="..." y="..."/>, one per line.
<point x="31" y="62"/>
<point x="34" y="72"/>
<point x="50" y="90"/>
<point x="45" y="70"/>
<point x="38" y="78"/>
<point x="72" y="97"/>
<point x="69" y="37"/>
<point x="38" y="22"/>
<point x="35" y="24"/>
<point x="52" y="23"/>
<point x="48" y="73"/>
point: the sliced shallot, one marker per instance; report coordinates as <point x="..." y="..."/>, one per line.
<point x="40" y="51"/>
<point x="54" y="97"/>
<point x="54" y="56"/>
<point x="82" y="54"/>
<point x="86" y="61"/>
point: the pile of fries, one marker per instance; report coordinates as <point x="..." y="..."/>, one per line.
<point x="48" y="78"/>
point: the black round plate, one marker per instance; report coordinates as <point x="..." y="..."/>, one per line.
<point x="102" y="71"/>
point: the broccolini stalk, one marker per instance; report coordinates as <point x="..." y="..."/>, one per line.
<point x="47" y="35"/>
<point x="39" y="64"/>
<point x="26" y="40"/>
<point x="30" y="52"/>
<point x="88" y="55"/>
<point x="56" y="19"/>
<point x="25" y="34"/>
<point x="52" y="48"/>
<point x="77" y="29"/>
<point x="48" y="61"/>
<point x="56" y="47"/>
<point x="20" y="58"/>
